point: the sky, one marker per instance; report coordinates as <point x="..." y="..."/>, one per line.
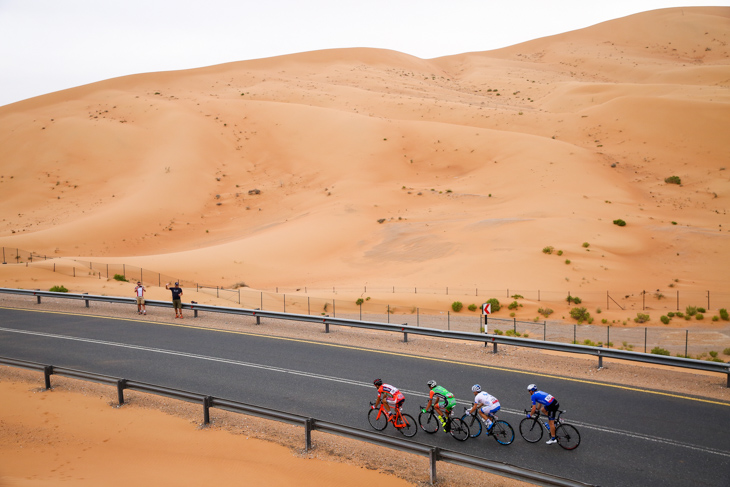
<point x="52" y="45"/>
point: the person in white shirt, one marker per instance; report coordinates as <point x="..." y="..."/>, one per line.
<point x="486" y="405"/>
<point x="139" y="291"/>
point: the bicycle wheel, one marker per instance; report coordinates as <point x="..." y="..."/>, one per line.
<point x="459" y="429"/>
<point x="503" y="432"/>
<point x="568" y="436"/>
<point x="531" y="430"/>
<point x="410" y="429"/>
<point x="429" y="423"/>
<point x="377" y="422"/>
<point x="475" y="426"/>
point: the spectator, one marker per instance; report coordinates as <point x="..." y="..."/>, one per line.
<point x="139" y="291"/>
<point x="176" y="298"/>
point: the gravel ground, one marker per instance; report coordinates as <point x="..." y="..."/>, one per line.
<point x="409" y="467"/>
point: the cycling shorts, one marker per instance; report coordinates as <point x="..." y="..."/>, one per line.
<point x="396" y="401"/>
<point x="491" y="408"/>
<point x="552" y="409"/>
<point x="448" y="404"/>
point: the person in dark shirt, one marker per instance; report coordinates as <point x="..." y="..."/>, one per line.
<point x="176" y="298"/>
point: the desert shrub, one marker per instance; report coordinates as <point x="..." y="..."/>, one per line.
<point x="473" y="307"/>
<point x="119" y="277"/>
<point x="726" y="351"/>
<point x="665" y="319"/>
<point x="690" y="310"/>
<point x="679" y="314"/>
<point x="724" y="314"/>
<point x="58" y="289"/>
<point x="715" y="318"/>
<point x="545" y="312"/>
<point x="619" y="222"/>
<point x="512" y="333"/>
<point x="456" y="306"/>
<point x="560" y="252"/>
<point x="517" y="296"/>
<point x="586" y="245"/>
<point x="495" y="304"/>
<point x="713" y="354"/>
<point x="641" y="318"/>
<point x="359" y="301"/>
<point x="700" y="309"/>
<point x="659" y="351"/>
<point x="673" y="180"/>
<point x="573" y="299"/>
<point x="580" y="314"/>
<point x="513" y="305"/>
<point x="671" y="314"/>
<point x="567" y="261"/>
<point x="498" y="332"/>
<point x="699" y="316"/>
<point x="548" y="250"/>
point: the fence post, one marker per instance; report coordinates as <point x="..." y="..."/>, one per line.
<point x="686" y="341"/>
<point x="544" y="330"/>
<point x="206" y="409"/>
<point x="308" y="427"/>
<point x="284" y="295"/>
<point x="643" y="300"/>
<point x="432" y="457"/>
<point x="608" y="336"/>
<point x="448" y="320"/>
<point x="645" y="339"/>
<point x="574" y="336"/>
<point x="47" y="371"/>
<point x="708" y="300"/>
<point x="121" y="385"/>
<point x="514" y="325"/>
<point x="309" y="312"/>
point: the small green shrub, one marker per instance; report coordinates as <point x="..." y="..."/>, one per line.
<point x="58" y="289"/>
<point x="545" y="312"/>
<point x="586" y="245"/>
<point x="665" y="319"/>
<point x="619" y="222"/>
<point x="641" y="318"/>
<point x="119" y="277"/>
<point x="699" y="316"/>
<point x="513" y="305"/>
<point x="726" y="351"/>
<point x="359" y="301"/>
<point x="560" y="252"/>
<point x="580" y="314"/>
<point x="473" y="307"/>
<point x="690" y="310"/>
<point x="724" y="314"/>
<point x="679" y="314"/>
<point x="498" y="332"/>
<point x="671" y="314"/>
<point x="512" y="333"/>
<point x="660" y="351"/>
<point x="713" y="354"/>
<point x="700" y="309"/>
<point x="548" y="250"/>
<point x="567" y="261"/>
<point x="495" y="304"/>
<point x="518" y="296"/>
<point x="456" y="306"/>
<point x="673" y="180"/>
<point x="573" y="299"/>
<point x="715" y="318"/>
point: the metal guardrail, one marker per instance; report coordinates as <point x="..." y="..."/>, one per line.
<point x="310" y="424"/>
<point x="600" y="352"/>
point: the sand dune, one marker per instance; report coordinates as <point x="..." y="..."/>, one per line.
<point x="473" y="163"/>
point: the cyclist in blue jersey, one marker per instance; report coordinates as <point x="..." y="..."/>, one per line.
<point x="544" y="402"/>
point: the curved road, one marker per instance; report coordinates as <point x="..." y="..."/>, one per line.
<point x="629" y="436"/>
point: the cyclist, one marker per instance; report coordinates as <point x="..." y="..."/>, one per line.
<point x="389" y="395"/>
<point x="542" y="401"/>
<point x="437" y="396"/>
<point x="486" y="405"/>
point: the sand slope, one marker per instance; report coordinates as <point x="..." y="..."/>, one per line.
<point x="473" y="163"/>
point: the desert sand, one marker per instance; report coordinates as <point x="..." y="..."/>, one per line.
<point x="364" y="167"/>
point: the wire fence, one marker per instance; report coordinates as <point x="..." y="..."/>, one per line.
<point x="622" y="334"/>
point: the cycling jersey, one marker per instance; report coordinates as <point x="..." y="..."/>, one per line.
<point x="391" y="394"/>
<point x="438" y="394"/>
<point x="543" y="398"/>
<point x="487" y="402"/>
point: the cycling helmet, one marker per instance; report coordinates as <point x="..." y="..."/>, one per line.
<point x="476" y="388"/>
<point x="431" y="384"/>
<point x="378" y="382"/>
<point x="532" y="387"/>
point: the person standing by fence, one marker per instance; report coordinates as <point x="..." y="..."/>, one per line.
<point x="176" y="298"/>
<point x="139" y="291"/>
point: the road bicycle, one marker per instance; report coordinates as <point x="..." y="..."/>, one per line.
<point x="567" y="435"/>
<point x="429" y="422"/>
<point x="403" y="422"/>
<point x="501" y="430"/>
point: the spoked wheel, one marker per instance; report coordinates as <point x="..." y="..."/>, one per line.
<point x="503" y="432"/>
<point x="531" y="430"/>
<point x="410" y="429"/>
<point x="475" y="426"/>
<point x="429" y="423"/>
<point x="459" y="429"/>
<point x="377" y="422"/>
<point x="568" y="437"/>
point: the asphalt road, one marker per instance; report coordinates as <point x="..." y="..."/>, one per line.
<point x="629" y="436"/>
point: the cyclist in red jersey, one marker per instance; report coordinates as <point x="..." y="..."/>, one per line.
<point x="389" y="395"/>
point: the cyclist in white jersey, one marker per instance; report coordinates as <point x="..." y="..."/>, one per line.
<point x="486" y="405"/>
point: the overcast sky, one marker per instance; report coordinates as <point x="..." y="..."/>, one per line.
<point x="51" y="45"/>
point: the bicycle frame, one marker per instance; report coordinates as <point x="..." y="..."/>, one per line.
<point x="396" y="419"/>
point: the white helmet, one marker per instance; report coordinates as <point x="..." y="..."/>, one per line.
<point x="476" y="388"/>
<point x="532" y="387"/>
<point x="431" y="384"/>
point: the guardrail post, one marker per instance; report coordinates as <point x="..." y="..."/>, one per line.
<point x="600" y="360"/>
<point x="86" y="300"/>
<point x="38" y="296"/>
<point x="47" y="371"/>
<point x="308" y="427"/>
<point x="206" y="409"/>
<point x="121" y="385"/>
<point x="494" y="350"/>
<point x="432" y="457"/>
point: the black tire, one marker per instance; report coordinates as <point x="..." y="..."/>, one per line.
<point x="459" y="430"/>
<point x="503" y="432"/>
<point x="475" y="426"/>
<point x="411" y="428"/>
<point x="531" y="430"/>
<point x="379" y="423"/>
<point x="428" y="422"/>
<point x="568" y="436"/>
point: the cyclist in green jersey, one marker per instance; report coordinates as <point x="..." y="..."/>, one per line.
<point x="437" y="396"/>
